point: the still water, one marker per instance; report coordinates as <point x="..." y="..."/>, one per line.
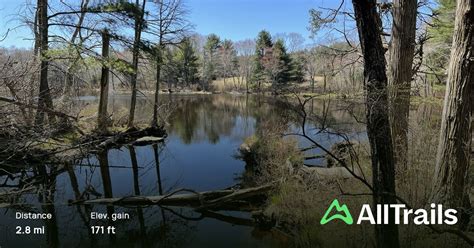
<point x="204" y="134"/>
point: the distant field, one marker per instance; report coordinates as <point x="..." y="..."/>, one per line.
<point x="230" y="84"/>
<point x="234" y="84"/>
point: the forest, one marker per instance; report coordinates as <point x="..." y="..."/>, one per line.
<point x="201" y="139"/>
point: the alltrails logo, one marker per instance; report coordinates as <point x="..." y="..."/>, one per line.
<point x="437" y="215"/>
<point x="347" y="217"/>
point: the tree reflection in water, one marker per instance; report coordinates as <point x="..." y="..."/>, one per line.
<point x="204" y="134"/>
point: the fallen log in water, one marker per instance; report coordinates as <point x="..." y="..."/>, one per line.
<point x="147" y="140"/>
<point x="105" y="140"/>
<point x="207" y="199"/>
<point x="34" y="153"/>
<point x="238" y="195"/>
<point x="131" y="136"/>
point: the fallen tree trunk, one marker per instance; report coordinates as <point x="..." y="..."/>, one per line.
<point x="239" y="195"/>
<point x="207" y="199"/>
<point x="147" y="140"/>
<point x="45" y="109"/>
<point x="131" y="136"/>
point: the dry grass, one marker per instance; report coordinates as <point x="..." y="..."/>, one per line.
<point x="230" y="84"/>
<point x="301" y="201"/>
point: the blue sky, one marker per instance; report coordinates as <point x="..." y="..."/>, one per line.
<point x="240" y="19"/>
<point x="230" y="19"/>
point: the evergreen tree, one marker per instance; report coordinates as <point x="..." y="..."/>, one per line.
<point x="263" y="44"/>
<point x="264" y="41"/>
<point x="187" y="63"/>
<point x="211" y="47"/>
<point x="441" y="34"/>
<point x="170" y="67"/>
<point x="280" y="66"/>
<point x="443" y="25"/>
<point x="273" y="64"/>
<point x="297" y="67"/>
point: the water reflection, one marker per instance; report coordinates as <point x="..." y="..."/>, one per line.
<point x="204" y="134"/>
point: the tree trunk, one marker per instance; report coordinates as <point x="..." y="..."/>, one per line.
<point x="401" y="73"/>
<point x="202" y="200"/>
<point x="68" y="84"/>
<point x="247" y="83"/>
<point x="156" y="155"/>
<point x="325" y="82"/>
<point x="453" y="157"/>
<point x="378" y="125"/>
<point x="154" y="122"/>
<point x="104" y="84"/>
<point x="135" y="54"/>
<point x="44" y="96"/>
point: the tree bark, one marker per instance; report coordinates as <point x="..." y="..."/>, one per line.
<point x="44" y="96"/>
<point x="453" y="157"/>
<point x="378" y="126"/>
<point x="401" y="73"/>
<point x="135" y="54"/>
<point x="104" y="84"/>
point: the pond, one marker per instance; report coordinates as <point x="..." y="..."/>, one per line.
<point x="204" y="134"/>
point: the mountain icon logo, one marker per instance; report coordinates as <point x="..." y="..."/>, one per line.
<point x="345" y="216"/>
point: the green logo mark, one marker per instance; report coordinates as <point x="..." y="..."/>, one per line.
<point x="346" y="216"/>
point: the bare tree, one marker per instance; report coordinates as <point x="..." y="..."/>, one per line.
<point x="72" y="44"/>
<point x="44" y="97"/>
<point x="295" y="42"/>
<point x="104" y="84"/>
<point x="245" y="50"/>
<point x="228" y="60"/>
<point x="311" y="66"/>
<point x="139" y="21"/>
<point x="170" y="26"/>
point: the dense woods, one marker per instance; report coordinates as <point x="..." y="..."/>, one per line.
<point x="347" y="112"/>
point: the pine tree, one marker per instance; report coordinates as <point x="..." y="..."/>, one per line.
<point x="441" y="34"/>
<point x="273" y="63"/>
<point x="443" y="25"/>
<point x="297" y="68"/>
<point x="170" y="70"/>
<point x="280" y="68"/>
<point x="187" y="63"/>
<point x="264" y="41"/>
<point x="210" y="57"/>
<point x="263" y="45"/>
